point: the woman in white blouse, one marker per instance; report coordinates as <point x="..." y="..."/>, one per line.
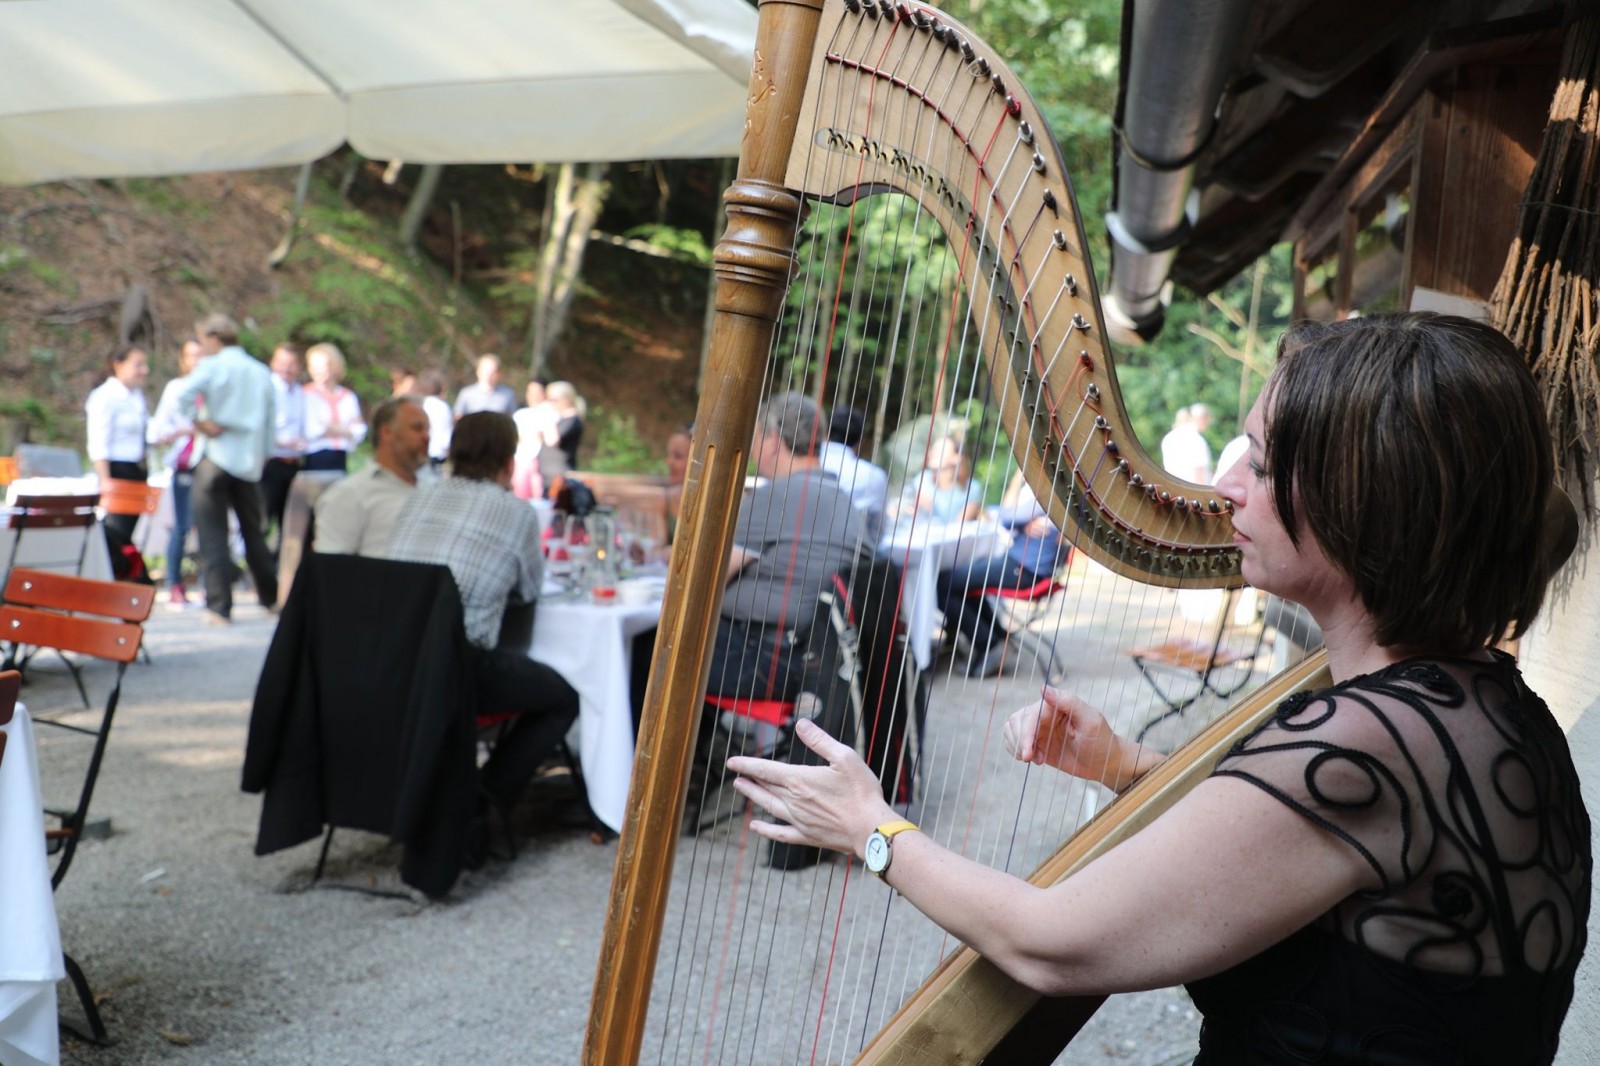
<point x="172" y="430"/>
<point x="333" y="414"/>
<point x="116" y="416"/>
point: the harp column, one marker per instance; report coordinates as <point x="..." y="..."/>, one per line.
<point x="752" y="263"/>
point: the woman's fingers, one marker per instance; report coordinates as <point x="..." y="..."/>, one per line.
<point x="817" y="739"/>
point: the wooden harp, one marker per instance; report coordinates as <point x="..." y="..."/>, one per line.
<point x="849" y="100"/>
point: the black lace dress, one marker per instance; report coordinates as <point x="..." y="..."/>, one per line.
<point x="1451" y="779"/>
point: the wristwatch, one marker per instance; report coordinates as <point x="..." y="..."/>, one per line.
<point x="880" y="849"/>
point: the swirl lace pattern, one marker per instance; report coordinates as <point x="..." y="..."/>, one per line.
<point x="1453" y="782"/>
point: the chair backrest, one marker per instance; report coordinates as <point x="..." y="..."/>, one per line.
<point x="118" y="496"/>
<point x="36" y="610"/>
<point x="53" y="512"/>
<point x="8" y="469"/>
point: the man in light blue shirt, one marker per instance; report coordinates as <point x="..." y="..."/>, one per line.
<point x="230" y="399"/>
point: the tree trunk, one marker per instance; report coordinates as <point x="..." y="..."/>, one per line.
<point x="574" y="207"/>
<point x="417" y="207"/>
<point x="302" y="186"/>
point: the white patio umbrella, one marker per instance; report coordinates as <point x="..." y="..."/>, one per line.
<point x="97" y="88"/>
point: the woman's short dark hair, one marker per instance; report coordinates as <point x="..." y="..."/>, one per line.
<point x="1414" y="448"/>
<point x="120" y="354"/>
<point x="481" y="445"/>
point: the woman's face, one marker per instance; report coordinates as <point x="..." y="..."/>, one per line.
<point x="1269" y="560"/>
<point x="534" y="394"/>
<point x="133" y="370"/>
<point x="320" y="367"/>
<point x="677" y="458"/>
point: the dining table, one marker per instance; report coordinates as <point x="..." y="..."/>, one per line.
<point x="922" y="548"/>
<point x="30" y="942"/>
<point x="590" y="644"/>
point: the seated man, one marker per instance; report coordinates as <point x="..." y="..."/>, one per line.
<point x="489" y="539"/>
<point x="1035" y="553"/>
<point x="792" y="535"/>
<point x="356" y="514"/>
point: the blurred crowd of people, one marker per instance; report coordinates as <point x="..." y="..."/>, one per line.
<point x="215" y="414"/>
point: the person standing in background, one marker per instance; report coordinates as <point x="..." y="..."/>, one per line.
<point x="533" y="422"/>
<point x="1184" y="451"/>
<point x="488" y="393"/>
<point x="288" y="435"/>
<point x="333" y="414"/>
<point x="563" y="431"/>
<point x="235" y="437"/>
<point x="441" y="420"/>
<point x="171" y="430"/>
<point x="679" y="444"/>
<point x="117" y="417"/>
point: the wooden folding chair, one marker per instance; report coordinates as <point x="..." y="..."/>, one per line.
<point x="121" y="497"/>
<point x="39" y="513"/>
<point x="103" y="619"/>
<point x="1209" y="664"/>
<point x="52" y="512"/>
<point x="1020" y="612"/>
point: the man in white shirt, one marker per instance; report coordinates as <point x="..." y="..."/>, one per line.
<point x="867" y="485"/>
<point x="356" y="514"/>
<point x="233" y="439"/>
<point x="288" y="434"/>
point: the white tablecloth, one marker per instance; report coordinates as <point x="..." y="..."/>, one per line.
<point x="922" y="549"/>
<point x="591" y="646"/>
<point x="30" y="945"/>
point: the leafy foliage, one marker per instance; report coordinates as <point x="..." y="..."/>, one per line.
<point x="619" y="449"/>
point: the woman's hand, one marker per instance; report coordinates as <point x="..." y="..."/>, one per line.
<point x="1068" y="734"/>
<point x="836" y="805"/>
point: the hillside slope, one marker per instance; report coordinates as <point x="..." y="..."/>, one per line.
<point x="75" y="258"/>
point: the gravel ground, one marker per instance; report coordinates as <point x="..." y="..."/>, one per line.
<point x="203" y="953"/>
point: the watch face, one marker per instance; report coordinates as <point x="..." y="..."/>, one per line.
<point x="877" y="853"/>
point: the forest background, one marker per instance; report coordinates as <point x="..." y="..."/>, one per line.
<point x="594" y="273"/>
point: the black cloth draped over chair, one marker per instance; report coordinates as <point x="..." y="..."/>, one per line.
<point x="363" y="715"/>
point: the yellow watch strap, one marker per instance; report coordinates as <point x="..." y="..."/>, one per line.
<point x="890" y="829"/>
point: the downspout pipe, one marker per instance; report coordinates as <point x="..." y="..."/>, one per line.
<point x="1179" y="56"/>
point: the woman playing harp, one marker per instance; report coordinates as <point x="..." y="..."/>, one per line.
<point x="1395" y="868"/>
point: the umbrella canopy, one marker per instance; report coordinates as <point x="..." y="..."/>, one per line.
<point x="99" y="88"/>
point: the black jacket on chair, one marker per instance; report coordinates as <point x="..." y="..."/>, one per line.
<point x="363" y="714"/>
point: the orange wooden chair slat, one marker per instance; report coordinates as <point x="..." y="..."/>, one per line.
<point x="8" y="469"/>
<point x="123" y="497"/>
<point x="63" y="592"/>
<point x="117" y="641"/>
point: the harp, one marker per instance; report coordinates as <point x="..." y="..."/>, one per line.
<point x="849" y="101"/>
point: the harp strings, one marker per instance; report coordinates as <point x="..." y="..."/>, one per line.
<point x="804" y="966"/>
